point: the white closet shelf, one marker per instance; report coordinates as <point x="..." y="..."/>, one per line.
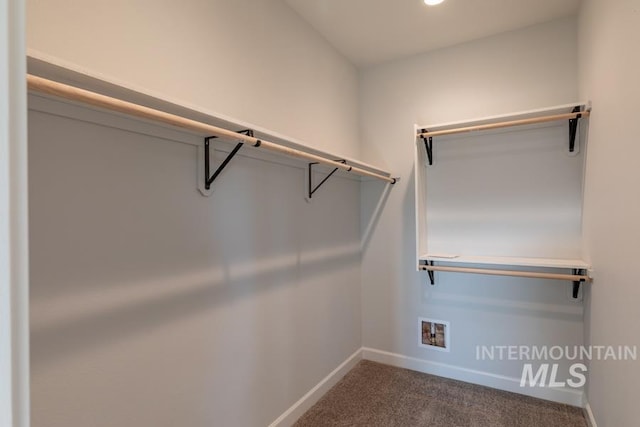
<point x="541" y="117"/>
<point x="554" y="113"/>
<point x="134" y="103"/>
<point x="580" y="273"/>
<point x="506" y="261"/>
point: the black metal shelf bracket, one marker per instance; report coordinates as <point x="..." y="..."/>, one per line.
<point x="432" y="276"/>
<point x="573" y="129"/>
<point x="428" y="145"/>
<point x="208" y="180"/>
<point x="313" y="189"/>
<point x="577" y="283"/>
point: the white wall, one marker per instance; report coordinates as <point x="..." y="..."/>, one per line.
<point x="254" y="60"/>
<point x="513" y="193"/>
<point x="527" y="69"/>
<point x="152" y="305"/>
<point x="609" y="33"/>
<point x="14" y="275"/>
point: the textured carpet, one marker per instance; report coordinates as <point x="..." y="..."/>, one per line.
<point x="376" y="395"/>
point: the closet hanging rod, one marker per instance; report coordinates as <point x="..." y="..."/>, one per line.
<point x="515" y="273"/>
<point x="498" y="125"/>
<point x="50" y="87"/>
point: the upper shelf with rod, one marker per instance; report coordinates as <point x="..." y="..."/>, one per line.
<point x="208" y="131"/>
<point x="569" y="112"/>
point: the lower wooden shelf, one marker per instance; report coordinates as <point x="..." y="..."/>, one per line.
<point x="513" y="261"/>
<point x="483" y="264"/>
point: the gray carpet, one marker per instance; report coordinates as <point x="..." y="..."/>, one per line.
<point x="375" y="395"/>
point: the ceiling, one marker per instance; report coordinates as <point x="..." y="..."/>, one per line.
<point x="373" y="31"/>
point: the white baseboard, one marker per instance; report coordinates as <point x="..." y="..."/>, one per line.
<point x="292" y="414"/>
<point x="588" y="415"/>
<point x="564" y="395"/>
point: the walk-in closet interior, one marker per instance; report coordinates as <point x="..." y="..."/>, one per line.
<point x="245" y="213"/>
